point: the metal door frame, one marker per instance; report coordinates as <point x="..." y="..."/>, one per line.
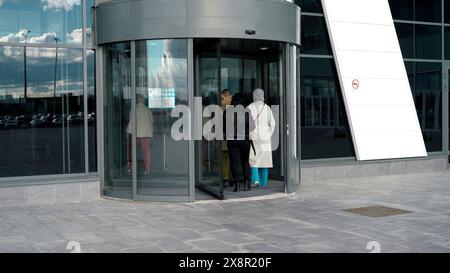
<point x="198" y="153"/>
<point x="445" y="108"/>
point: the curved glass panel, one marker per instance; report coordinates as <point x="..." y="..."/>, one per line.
<point x="117" y="100"/>
<point x="161" y="85"/>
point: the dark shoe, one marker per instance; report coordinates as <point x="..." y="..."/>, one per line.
<point x="247" y="185"/>
<point x="236" y="187"/>
<point x="226" y="183"/>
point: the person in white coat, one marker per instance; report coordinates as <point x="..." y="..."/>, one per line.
<point x="261" y="138"/>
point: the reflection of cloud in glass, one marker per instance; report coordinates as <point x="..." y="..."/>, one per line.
<point x="56" y="5"/>
<point x="41" y="67"/>
<point x="163" y="68"/>
<point x="36" y="52"/>
<point x="75" y="37"/>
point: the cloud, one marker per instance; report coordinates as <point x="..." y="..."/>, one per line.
<point x="19" y="37"/>
<point x="1" y="2"/>
<point x="75" y="37"/>
<point x="46" y="38"/>
<point x="13" y="38"/>
<point x="57" y="5"/>
<point x="39" y="54"/>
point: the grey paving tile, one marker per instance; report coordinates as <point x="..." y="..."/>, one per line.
<point x="310" y="221"/>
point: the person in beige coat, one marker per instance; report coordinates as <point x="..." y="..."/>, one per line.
<point x="261" y="138"/>
<point x="144" y="132"/>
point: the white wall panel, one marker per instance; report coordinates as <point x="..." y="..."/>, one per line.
<point x="380" y="107"/>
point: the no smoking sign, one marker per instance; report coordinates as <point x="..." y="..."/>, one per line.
<point x="355" y="84"/>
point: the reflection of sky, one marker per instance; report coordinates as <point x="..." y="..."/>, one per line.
<point x="40" y="71"/>
<point x="155" y="51"/>
<point x="41" y="17"/>
<point x="165" y="68"/>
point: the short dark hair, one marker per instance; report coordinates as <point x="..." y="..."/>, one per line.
<point x="226" y="91"/>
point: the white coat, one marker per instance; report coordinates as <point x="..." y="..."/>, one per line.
<point x="144" y="122"/>
<point x="261" y="135"/>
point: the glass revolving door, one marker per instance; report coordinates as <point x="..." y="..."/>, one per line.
<point x="238" y="66"/>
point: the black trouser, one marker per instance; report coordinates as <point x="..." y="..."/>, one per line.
<point x="239" y="152"/>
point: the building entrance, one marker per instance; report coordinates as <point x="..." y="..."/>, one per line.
<point x="237" y="67"/>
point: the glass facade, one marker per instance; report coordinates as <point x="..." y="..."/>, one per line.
<point x="315" y="39"/>
<point x="48" y="121"/>
<point x="426" y="79"/>
<point x="417" y="10"/>
<point x="447" y="12"/>
<point x="420" y="27"/>
<point x="46" y="20"/>
<point x="447" y="42"/>
<point x="325" y="131"/>
<point x="47" y="89"/>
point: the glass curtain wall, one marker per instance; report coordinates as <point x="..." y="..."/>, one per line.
<point x="43" y="89"/>
<point x="325" y="131"/>
<point x="422" y="30"/>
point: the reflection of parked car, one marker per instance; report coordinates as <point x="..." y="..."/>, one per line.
<point x="75" y="118"/>
<point x="21" y="121"/>
<point x="36" y="123"/>
<point x="56" y="122"/>
<point x="2" y="123"/>
<point x="91" y="117"/>
<point x="11" y="124"/>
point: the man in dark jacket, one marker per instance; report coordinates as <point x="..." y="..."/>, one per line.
<point x="237" y="127"/>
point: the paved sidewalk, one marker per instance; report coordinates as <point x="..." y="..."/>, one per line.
<point x="310" y="221"/>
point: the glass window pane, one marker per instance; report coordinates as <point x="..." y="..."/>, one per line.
<point x="89" y="5"/>
<point x="92" y="117"/>
<point x="45" y="19"/>
<point x="447" y="43"/>
<point x="428" y="100"/>
<point x="310" y="5"/>
<point x="447" y="11"/>
<point x="405" y="33"/>
<point x="428" y="42"/>
<point x="42" y="124"/>
<point x="325" y="130"/>
<point x="315" y="36"/>
<point x="402" y="9"/>
<point x="117" y="107"/>
<point x="161" y="85"/>
<point x="230" y="73"/>
<point x="428" y="10"/>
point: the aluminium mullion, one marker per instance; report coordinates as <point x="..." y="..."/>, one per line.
<point x="445" y="89"/>
<point x="133" y="120"/>
<point x="85" y="93"/>
<point x="191" y="144"/>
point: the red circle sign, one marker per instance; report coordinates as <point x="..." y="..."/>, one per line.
<point x="355" y="84"/>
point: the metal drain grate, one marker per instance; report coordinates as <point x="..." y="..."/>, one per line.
<point x="377" y="211"/>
